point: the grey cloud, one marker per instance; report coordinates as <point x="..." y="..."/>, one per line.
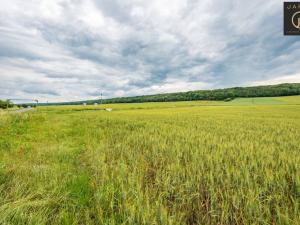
<point x="36" y="90"/>
<point x="69" y="50"/>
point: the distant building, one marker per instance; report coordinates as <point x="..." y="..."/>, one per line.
<point x="95" y="103"/>
<point x="84" y="104"/>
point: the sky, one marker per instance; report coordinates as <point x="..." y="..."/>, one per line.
<point x="68" y="50"/>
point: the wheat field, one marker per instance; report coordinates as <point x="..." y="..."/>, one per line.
<point x="153" y="163"/>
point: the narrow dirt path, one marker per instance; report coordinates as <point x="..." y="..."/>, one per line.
<point x="22" y="110"/>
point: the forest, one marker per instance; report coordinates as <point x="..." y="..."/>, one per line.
<point x="226" y="94"/>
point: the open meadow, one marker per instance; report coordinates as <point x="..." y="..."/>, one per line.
<point x="196" y="162"/>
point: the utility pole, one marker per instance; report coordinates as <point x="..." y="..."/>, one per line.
<point x="101" y="99"/>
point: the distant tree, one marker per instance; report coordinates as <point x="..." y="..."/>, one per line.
<point x="228" y="99"/>
<point x="4" y="104"/>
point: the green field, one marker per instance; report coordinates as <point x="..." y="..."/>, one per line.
<point x="196" y="162"/>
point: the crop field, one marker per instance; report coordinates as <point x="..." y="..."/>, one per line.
<point x="196" y="162"/>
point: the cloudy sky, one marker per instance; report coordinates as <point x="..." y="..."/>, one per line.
<point x="63" y="50"/>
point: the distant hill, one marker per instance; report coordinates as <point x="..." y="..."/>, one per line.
<point x="226" y="94"/>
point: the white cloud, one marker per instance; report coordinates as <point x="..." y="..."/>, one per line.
<point x="278" y="80"/>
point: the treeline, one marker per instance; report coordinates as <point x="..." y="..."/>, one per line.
<point x="226" y="94"/>
<point x="4" y="104"/>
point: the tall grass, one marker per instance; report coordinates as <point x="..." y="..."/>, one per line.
<point x="164" y="165"/>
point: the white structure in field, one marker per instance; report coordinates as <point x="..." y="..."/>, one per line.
<point x="95" y="103"/>
<point x="84" y="104"/>
<point x="108" y="109"/>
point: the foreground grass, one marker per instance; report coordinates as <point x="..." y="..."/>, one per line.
<point x="154" y="163"/>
